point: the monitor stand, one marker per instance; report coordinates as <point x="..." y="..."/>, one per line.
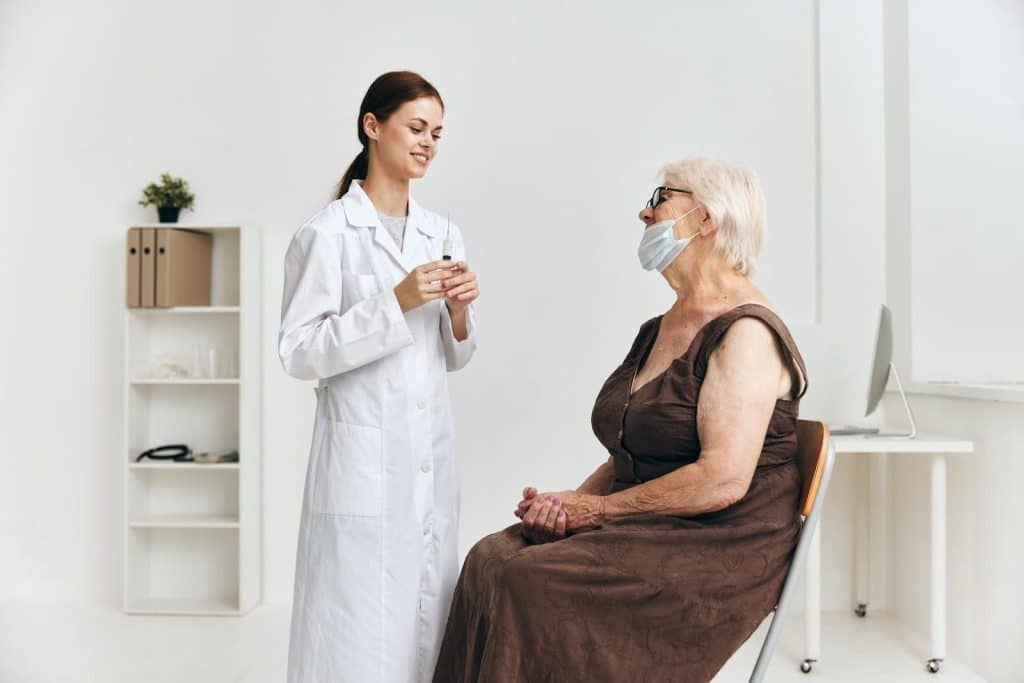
<point x="851" y="430"/>
<point x="906" y="405"/>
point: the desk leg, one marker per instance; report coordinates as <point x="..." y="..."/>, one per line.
<point x="862" y="542"/>
<point x="812" y="609"/>
<point x="938" y="562"/>
<point x="879" y="532"/>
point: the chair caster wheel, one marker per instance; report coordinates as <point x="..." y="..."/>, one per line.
<point x="861" y="610"/>
<point x="933" y="665"/>
<point x="805" y="666"/>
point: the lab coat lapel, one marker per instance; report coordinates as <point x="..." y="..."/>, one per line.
<point x="360" y="212"/>
<point x="384" y="240"/>
<point x="420" y="233"/>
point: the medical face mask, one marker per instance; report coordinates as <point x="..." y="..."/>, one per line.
<point x="658" y="247"/>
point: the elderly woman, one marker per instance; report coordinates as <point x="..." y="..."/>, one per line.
<point x="670" y="554"/>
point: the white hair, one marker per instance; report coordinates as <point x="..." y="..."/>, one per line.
<point x="735" y="202"/>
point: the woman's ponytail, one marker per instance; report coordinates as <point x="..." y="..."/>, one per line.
<point x="356" y="171"/>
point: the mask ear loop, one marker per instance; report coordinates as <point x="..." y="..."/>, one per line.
<point x="673" y="226"/>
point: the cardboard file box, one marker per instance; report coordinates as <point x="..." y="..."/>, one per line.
<point x="167" y="267"/>
<point x="183" y="261"/>
<point x="147" y="298"/>
<point x="133" y="277"/>
<point x="140" y="276"/>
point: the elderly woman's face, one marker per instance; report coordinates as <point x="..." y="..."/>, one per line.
<point x="669" y="204"/>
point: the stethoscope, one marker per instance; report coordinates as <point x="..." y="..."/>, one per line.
<point x="177" y="452"/>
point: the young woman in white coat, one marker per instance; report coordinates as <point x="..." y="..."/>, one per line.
<point x="374" y="313"/>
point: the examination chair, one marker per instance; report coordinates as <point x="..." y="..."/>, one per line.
<point x="816" y="458"/>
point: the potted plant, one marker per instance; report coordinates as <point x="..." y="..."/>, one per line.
<point x="169" y="197"/>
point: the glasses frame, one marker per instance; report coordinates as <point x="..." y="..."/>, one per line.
<point x="657" y="199"/>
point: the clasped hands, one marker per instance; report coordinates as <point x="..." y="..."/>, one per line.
<point x="549" y="517"/>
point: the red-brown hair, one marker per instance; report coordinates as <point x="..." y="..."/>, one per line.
<point x="385" y="95"/>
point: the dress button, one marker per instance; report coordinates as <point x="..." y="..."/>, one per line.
<point x="425" y="467"/>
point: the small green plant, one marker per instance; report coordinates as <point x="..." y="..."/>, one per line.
<point x="170" y="193"/>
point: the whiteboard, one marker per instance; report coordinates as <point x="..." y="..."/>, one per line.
<point x="966" y="69"/>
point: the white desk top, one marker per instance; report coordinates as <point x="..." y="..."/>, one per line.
<point x="922" y="443"/>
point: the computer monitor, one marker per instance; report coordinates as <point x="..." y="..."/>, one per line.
<point x="881" y="368"/>
<point x="883" y="360"/>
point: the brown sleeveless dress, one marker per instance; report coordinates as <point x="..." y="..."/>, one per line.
<point x="653" y="598"/>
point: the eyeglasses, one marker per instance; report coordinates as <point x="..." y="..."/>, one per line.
<point x="658" y="197"/>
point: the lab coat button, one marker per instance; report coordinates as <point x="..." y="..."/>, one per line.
<point x="426" y="530"/>
<point x="425" y="467"/>
<point x="421" y="404"/>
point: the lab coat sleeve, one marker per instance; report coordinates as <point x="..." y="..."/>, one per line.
<point x="316" y="340"/>
<point x="457" y="353"/>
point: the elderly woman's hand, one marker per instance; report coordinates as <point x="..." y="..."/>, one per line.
<point x="581" y="511"/>
<point x="543" y="517"/>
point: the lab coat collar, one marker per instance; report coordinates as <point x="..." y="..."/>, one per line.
<point x="422" y="220"/>
<point x="360" y="212"/>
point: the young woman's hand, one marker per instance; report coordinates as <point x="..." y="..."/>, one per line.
<point x="462" y="289"/>
<point x="425" y="283"/>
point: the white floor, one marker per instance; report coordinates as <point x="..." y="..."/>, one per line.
<point x="85" y="643"/>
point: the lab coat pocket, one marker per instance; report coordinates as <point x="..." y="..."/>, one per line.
<point x="356" y="287"/>
<point x="351" y="477"/>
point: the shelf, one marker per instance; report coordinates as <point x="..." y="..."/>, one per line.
<point x="188" y="226"/>
<point x="193" y="382"/>
<point x="185" y="522"/>
<point x="186" y="310"/>
<point x="191" y="530"/>
<point x="182" y="466"/>
<point x="193" y="606"/>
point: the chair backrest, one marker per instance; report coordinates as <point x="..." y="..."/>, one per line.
<point x="811" y="452"/>
<point x="815" y="458"/>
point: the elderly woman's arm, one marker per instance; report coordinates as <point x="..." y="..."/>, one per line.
<point x="744" y="378"/>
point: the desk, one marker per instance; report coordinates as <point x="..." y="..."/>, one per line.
<point x="935" y="449"/>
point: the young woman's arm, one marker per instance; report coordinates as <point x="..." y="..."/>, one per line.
<point x="316" y="340"/>
<point x="458" y="327"/>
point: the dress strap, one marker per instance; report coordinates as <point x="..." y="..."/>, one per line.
<point x="642" y="341"/>
<point x="791" y="354"/>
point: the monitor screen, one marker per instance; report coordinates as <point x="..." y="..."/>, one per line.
<point x="882" y="361"/>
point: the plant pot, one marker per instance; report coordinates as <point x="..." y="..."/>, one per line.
<point x="168" y="214"/>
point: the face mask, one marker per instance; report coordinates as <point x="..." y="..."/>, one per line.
<point x="658" y="247"/>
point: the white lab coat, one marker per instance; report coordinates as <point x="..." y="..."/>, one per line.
<point x="377" y="555"/>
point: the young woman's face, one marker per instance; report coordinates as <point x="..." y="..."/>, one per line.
<point x="407" y="141"/>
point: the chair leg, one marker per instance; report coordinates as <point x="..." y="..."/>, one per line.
<point x="812" y="613"/>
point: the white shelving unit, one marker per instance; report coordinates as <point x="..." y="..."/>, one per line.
<point x="192" y="530"/>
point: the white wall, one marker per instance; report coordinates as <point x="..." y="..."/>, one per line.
<point x="966" y="155"/>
